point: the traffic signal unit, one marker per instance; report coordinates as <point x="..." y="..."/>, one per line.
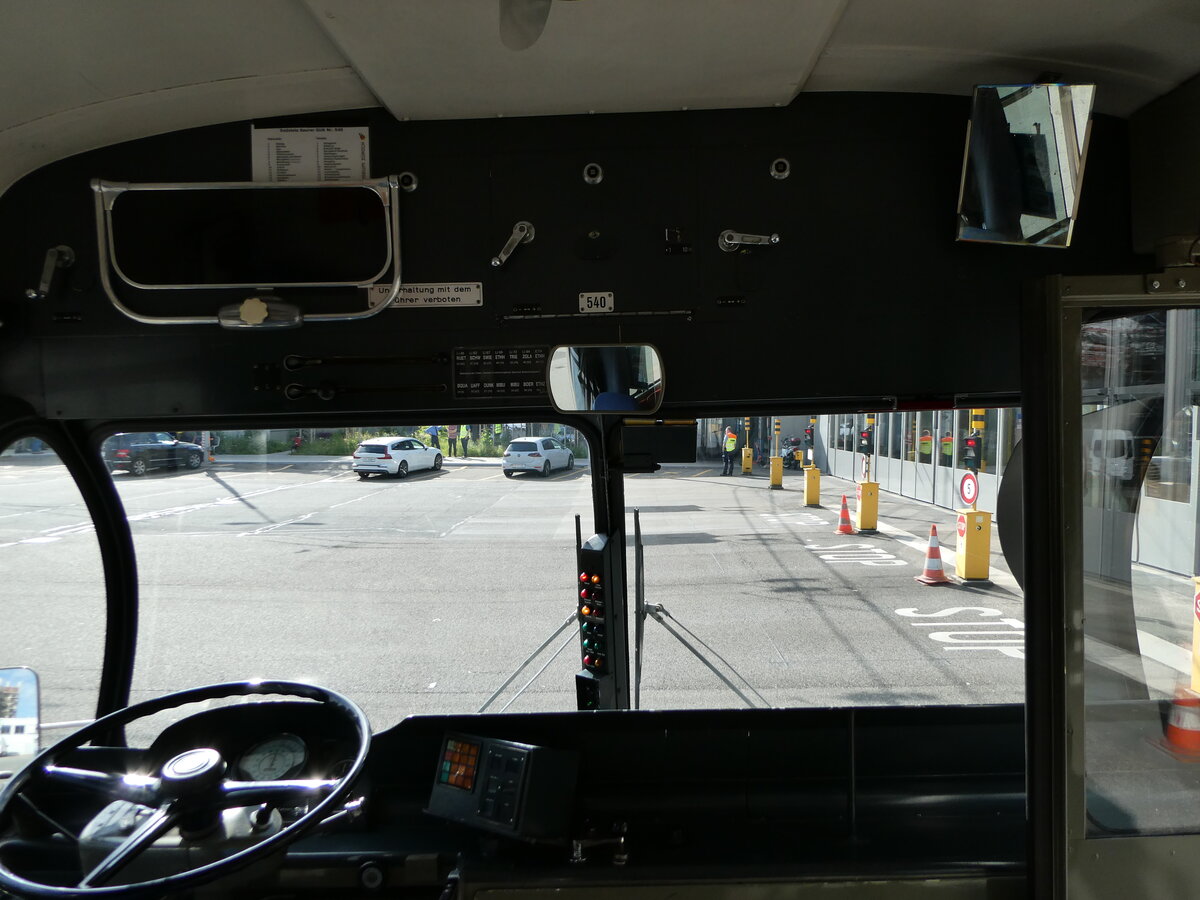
<point x="866" y="440"/>
<point x="601" y="684"/>
<point x="970" y="452"/>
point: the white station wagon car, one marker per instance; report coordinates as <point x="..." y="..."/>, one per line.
<point x="394" y="455"/>
<point x="536" y="454"/>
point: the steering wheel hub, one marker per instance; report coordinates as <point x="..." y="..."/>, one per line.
<point x="192" y="771"/>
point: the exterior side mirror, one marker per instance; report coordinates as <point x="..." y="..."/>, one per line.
<point x="19" y="717"/>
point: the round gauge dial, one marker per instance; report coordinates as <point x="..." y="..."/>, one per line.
<point x="278" y="757"/>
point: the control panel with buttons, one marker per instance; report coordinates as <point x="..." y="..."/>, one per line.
<point x="504" y="786"/>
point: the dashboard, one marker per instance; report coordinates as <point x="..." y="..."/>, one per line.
<point x="264" y="740"/>
<point x="658" y="799"/>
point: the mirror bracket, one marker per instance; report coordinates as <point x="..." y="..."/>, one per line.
<point x="1177" y="280"/>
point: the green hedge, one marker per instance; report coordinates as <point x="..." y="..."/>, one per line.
<point x="343" y="441"/>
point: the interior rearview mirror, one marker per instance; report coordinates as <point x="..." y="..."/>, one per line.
<point x="19" y="712"/>
<point x="1026" y="148"/>
<point x="615" y="379"/>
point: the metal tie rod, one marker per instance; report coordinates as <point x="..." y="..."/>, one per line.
<point x="571" y="619"/>
<point x="660" y="614"/>
<point x="561" y="647"/>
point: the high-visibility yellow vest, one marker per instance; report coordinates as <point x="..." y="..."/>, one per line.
<point x="730" y="442"/>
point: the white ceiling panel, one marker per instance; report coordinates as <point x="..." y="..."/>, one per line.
<point x="446" y="59"/>
<point x="78" y="74"/>
<point x="63" y="54"/>
<point x="1133" y="50"/>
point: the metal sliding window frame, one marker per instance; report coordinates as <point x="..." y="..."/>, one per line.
<point x="1063" y="859"/>
<point x="107" y="193"/>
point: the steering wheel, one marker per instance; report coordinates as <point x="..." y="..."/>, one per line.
<point x="191" y="784"/>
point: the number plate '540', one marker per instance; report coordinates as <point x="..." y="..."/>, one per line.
<point x="600" y="302"/>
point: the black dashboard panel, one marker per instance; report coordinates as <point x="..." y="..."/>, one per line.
<point x="669" y="797"/>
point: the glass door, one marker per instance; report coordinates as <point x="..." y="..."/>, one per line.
<point x="1129" y="715"/>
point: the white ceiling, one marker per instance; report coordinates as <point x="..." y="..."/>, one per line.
<point x="78" y="74"/>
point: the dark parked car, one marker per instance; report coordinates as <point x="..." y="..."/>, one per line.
<point x="139" y="451"/>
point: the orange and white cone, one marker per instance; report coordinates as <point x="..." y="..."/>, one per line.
<point x="933" y="573"/>
<point x="1183" y="724"/>
<point x="844" y="526"/>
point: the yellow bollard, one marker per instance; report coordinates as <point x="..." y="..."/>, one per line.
<point x="974" y="552"/>
<point x="812" y="486"/>
<point x="776" y="473"/>
<point x="747" y="460"/>
<point x="867" y="514"/>
<point x="1196" y="636"/>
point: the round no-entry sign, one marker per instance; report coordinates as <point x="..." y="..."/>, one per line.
<point x="968" y="488"/>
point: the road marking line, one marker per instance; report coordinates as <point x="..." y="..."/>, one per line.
<point x="355" y="500"/>
<point x="1164" y="652"/>
<point x="30" y="512"/>
<point x="269" y="528"/>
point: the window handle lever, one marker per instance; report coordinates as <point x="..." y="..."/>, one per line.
<point x="730" y="240"/>
<point x="522" y="233"/>
<point x="60" y="257"/>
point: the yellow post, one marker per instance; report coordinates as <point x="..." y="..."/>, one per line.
<point x="867" y="517"/>
<point x="974" y="553"/>
<point x="1196" y="635"/>
<point x="747" y="453"/>
<point x="812" y="486"/>
<point x="776" y="461"/>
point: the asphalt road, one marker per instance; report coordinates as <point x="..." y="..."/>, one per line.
<point x="422" y="595"/>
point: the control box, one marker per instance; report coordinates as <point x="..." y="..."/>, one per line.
<point x="515" y="789"/>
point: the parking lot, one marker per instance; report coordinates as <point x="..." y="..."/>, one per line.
<point x="424" y="594"/>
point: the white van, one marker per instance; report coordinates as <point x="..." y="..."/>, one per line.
<point x="1110" y="452"/>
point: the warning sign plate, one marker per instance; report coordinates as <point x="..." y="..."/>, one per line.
<point x="968" y="488"/>
<point x="455" y="294"/>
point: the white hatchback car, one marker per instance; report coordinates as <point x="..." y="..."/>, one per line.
<point x="536" y="454"/>
<point x="394" y="455"/>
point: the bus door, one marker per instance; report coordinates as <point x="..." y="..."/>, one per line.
<point x="1122" y="717"/>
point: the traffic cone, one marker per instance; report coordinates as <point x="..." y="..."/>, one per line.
<point x="933" y="573"/>
<point x="844" y="526"/>
<point x="1183" y="724"/>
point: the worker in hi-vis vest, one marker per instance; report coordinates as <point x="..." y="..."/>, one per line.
<point x="730" y="449"/>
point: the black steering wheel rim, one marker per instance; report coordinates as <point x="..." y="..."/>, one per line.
<point x="23" y="887"/>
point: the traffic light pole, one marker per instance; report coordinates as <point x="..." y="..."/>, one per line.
<point x="776" y="479"/>
<point x="867" y="490"/>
